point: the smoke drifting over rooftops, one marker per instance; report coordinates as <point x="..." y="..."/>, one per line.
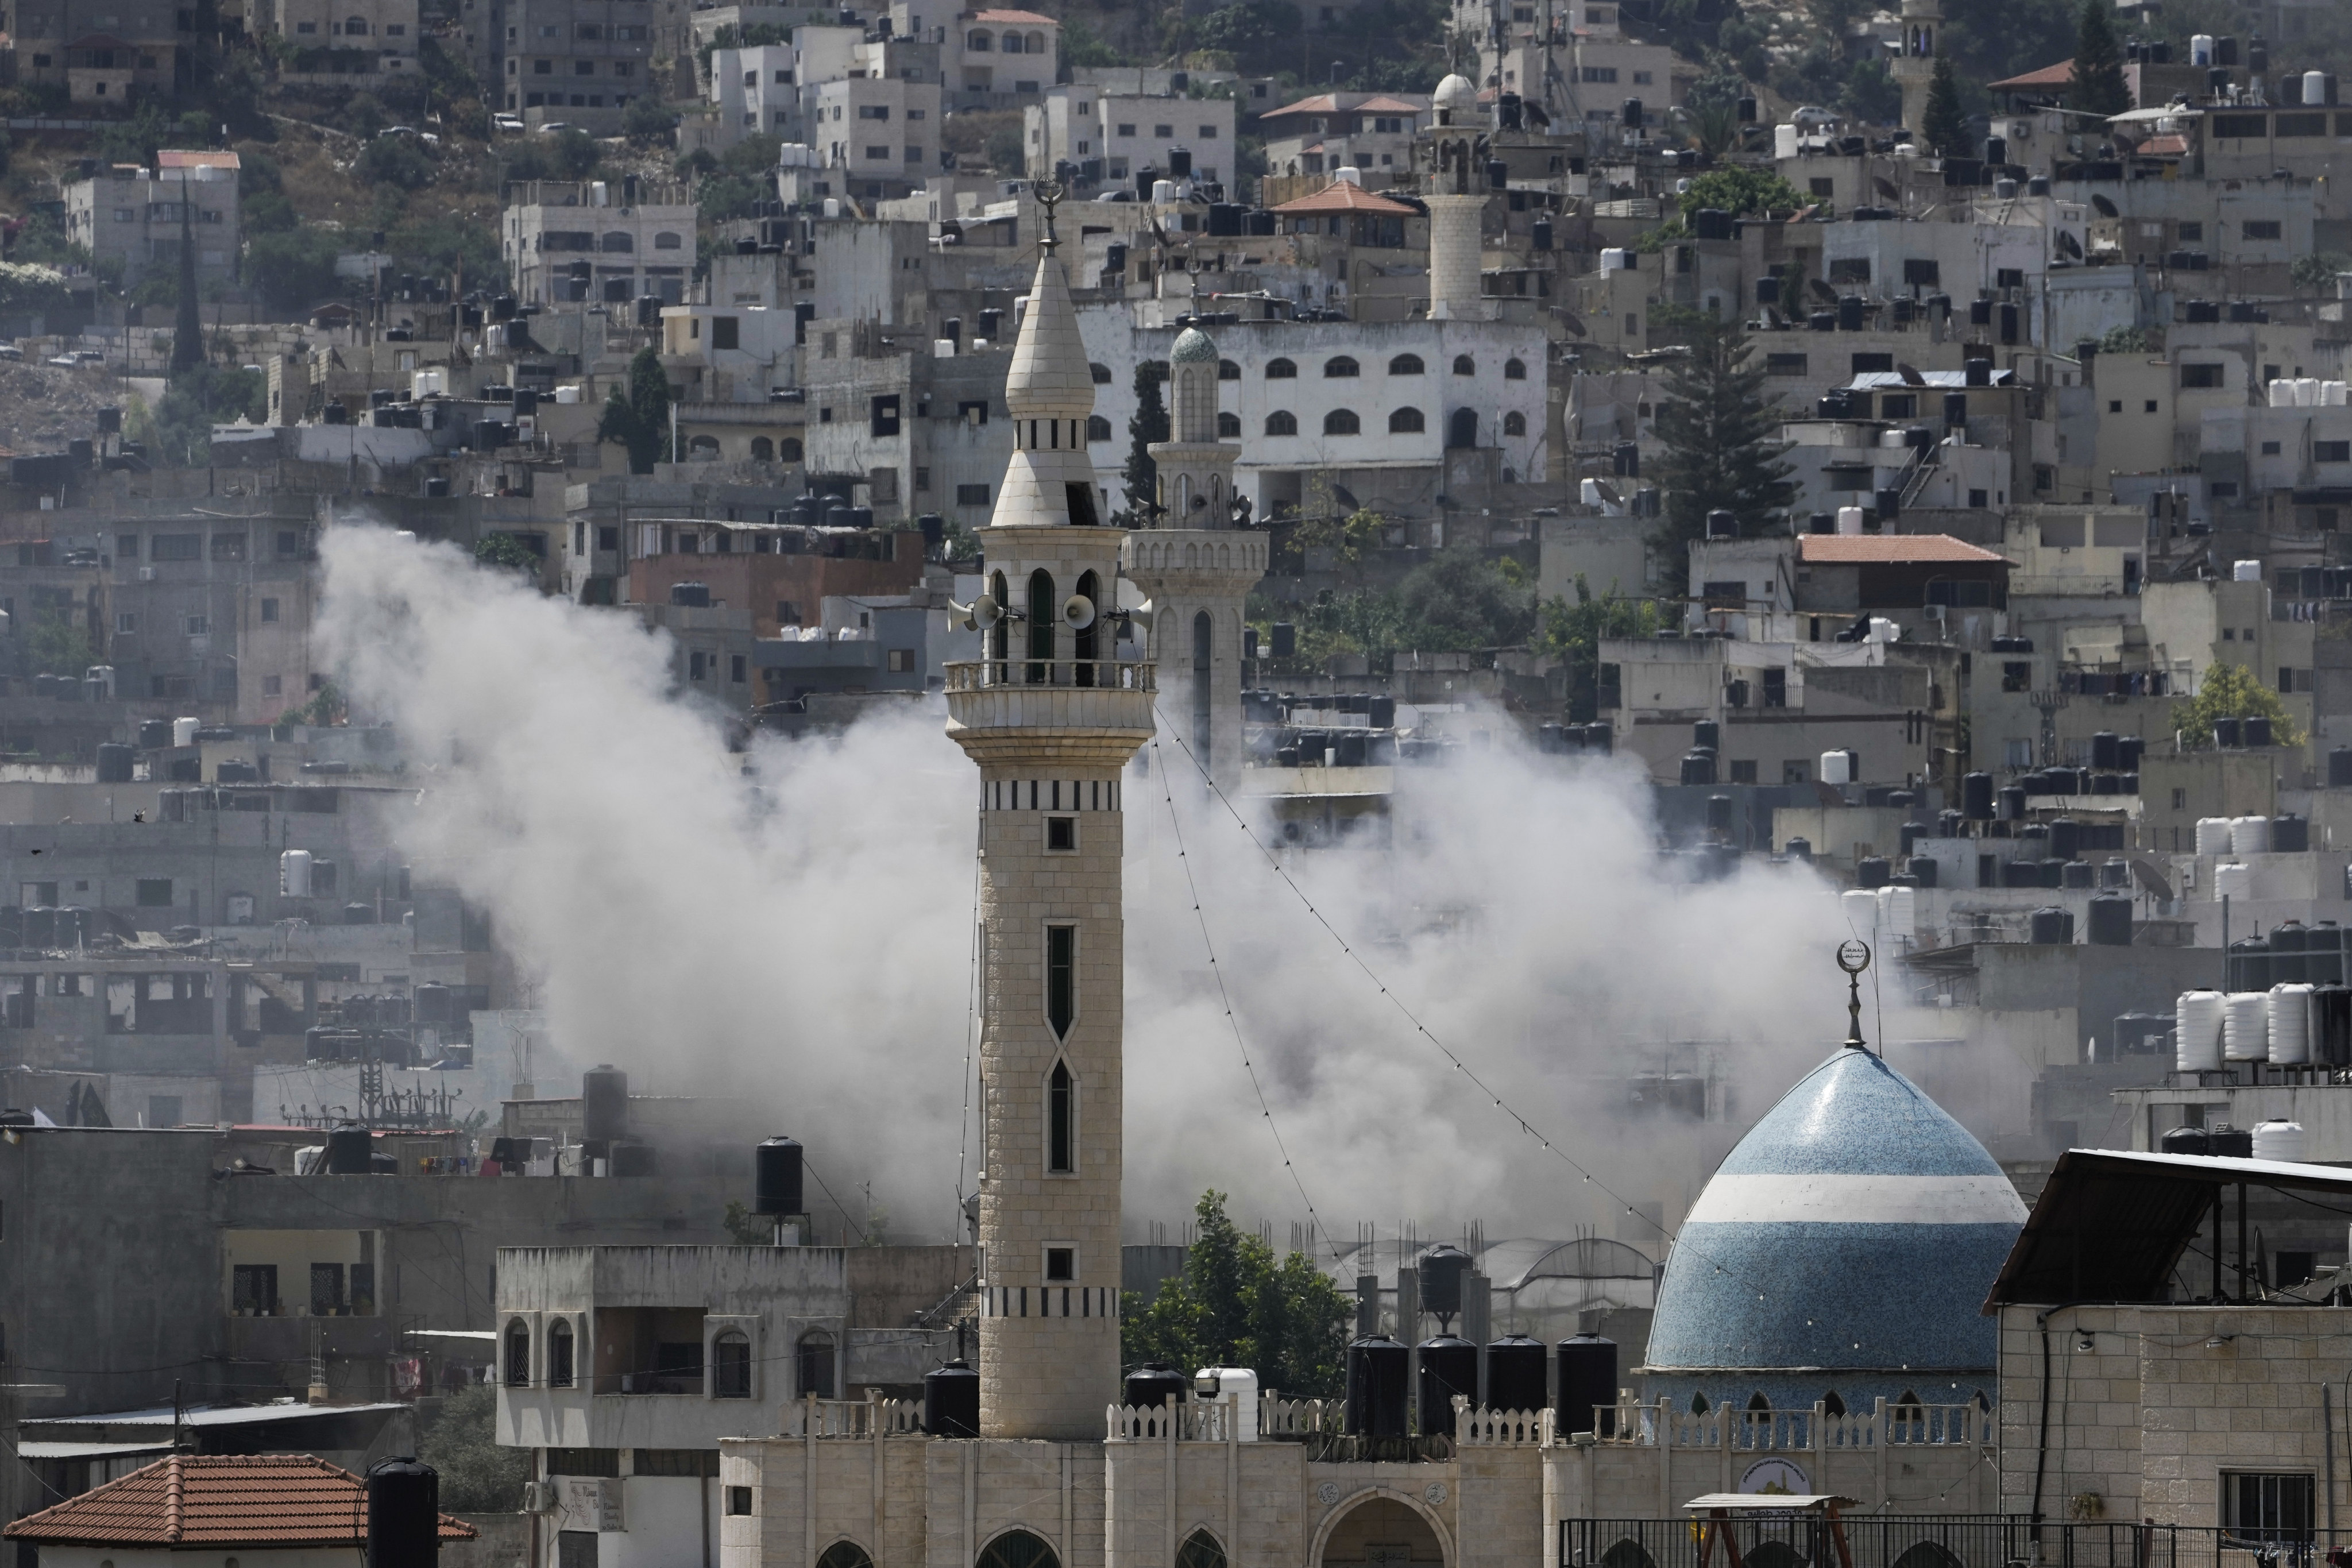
<point x="796" y="936"/>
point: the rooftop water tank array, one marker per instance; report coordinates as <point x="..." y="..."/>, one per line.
<point x="2290" y="1024"/>
<point x="2245" y="1026"/>
<point x="2196" y="1031"/>
<point x="2233" y="879"/>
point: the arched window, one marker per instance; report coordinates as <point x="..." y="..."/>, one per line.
<point x="356" y="27"/>
<point x="1514" y="423"/>
<point x="1101" y="373"/>
<point x="702" y="449"/>
<point x="1000" y="636"/>
<point x="1017" y="1549"/>
<point x="1228" y="370"/>
<point x="730" y="1366"/>
<point x="1037" y="43"/>
<point x="813" y="1364"/>
<point x="1339" y="365"/>
<point x="1514" y="370"/>
<point x="668" y="241"/>
<point x="1405" y="364"/>
<point x="1407" y="422"/>
<point x="1281" y="370"/>
<point x="844" y="1554"/>
<point x="1698" y="1406"/>
<point x="619" y="242"/>
<point x="1757" y="1401"/>
<point x="1012" y="45"/>
<point x="762" y="450"/>
<point x="559" y="1354"/>
<point x="1045" y="615"/>
<point x="1462" y="429"/>
<point x="1061" y="1122"/>
<point x="788" y="449"/>
<point x="518" y="1355"/>
<point x="1086" y="642"/>
<point x="1282" y="422"/>
<point x="977" y="43"/>
<point x="1228" y="426"/>
<point x="1906" y="1404"/>
<point x="1465" y="365"/>
<point x="1097" y="427"/>
<point x="1832" y="1405"/>
<point x="1201" y="1549"/>
<point x="1342" y="422"/>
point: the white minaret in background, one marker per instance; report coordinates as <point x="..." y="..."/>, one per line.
<point x="1052" y="722"/>
<point x="1457" y="203"/>
<point x="1197" y="564"/>
<point x="1916" y="65"/>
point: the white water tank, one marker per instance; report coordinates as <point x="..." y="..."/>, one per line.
<point x="2306" y="392"/>
<point x="2196" y="1031"/>
<point x="1238" y="1384"/>
<point x="294" y="874"/>
<point x="1615" y="259"/>
<point x="2212" y="835"/>
<point x="1849" y="520"/>
<point x="2331" y="394"/>
<point x="183" y="730"/>
<point x="1898" y="909"/>
<point x="2281" y="392"/>
<point x="2281" y="1141"/>
<point x="2245" y="571"/>
<point x="2290" y="1023"/>
<point x="943" y="348"/>
<point x="1860" y="908"/>
<point x="2200" y="49"/>
<point x="1164" y="191"/>
<point x="833" y="206"/>
<point x="2245" y="1026"/>
<point x="1349" y="175"/>
<point x="1784" y="141"/>
<point x="1837" y="768"/>
<point x="1884" y="630"/>
<point x="2233" y="879"/>
<point x="568" y="396"/>
<point x="2249" y="835"/>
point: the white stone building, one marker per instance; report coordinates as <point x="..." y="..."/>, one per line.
<point x="881" y="135"/>
<point x="1112" y="138"/>
<point x="633" y="239"/>
<point x="134" y="218"/>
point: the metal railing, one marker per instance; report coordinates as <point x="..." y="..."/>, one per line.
<point x="1660" y="1424"/>
<point x="1892" y="1541"/>
<point x="1096" y="674"/>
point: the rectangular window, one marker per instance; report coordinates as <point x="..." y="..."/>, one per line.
<point x="1823" y="188"/>
<point x="2017" y="678"/>
<point x="1062" y="833"/>
<point x="883" y="414"/>
<point x="1850" y="269"/>
<point x="2331" y="451"/>
<point x="2239" y="127"/>
<point x="2192" y="233"/>
<point x="326" y="1290"/>
<point x="1873" y="364"/>
<point x="2200" y="376"/>
<point x="126" y="623"/>
<point x="154" y="892"/>
<point x="2259" y="228"/>
<point x="1784" y="364"/>
<point x="972" y="495"/>
<point x="269" y="609"/>
<point x="177" y="547"/>
<point x="873" y="111"/>
<point x="2286" y="684"/>
<point x="252" y="1290"/>
<point x="1925" y="274"/>
<point x="738" y="668"/>
<point x="724" y="331"/>
<point x="1061" y="1265"/>
<point x="739" y="1501"/>
<point x="902" y="660"/>
<point x="2266" y="1507"/>
<point x="1061" y="978"/>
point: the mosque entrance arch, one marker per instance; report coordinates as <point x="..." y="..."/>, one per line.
<point x="1018" y="1549"/>
<point x="1381" y="1532"/>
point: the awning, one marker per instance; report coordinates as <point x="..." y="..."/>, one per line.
<point x="488" y="1336"/>
<point x="1769" y="1503"/>
<point x="89" y="1450"/>
<point x="2145" y="116"/>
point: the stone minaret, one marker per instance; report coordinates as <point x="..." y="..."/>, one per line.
<point x="1916" y="62"/>
<point x="1457" y="206"/>
<point x="1198" y="564"/>
<point x="1051" y="721"/>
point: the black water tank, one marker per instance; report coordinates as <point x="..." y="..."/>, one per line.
<point x="1588" y="1384"/>
<point x="2339" y="768"/>
<point x="2228" y="1142"/>
<point x="2331" y="1025"/>
<point x="2079" y="875"/>
<point x="1976" y="797"/>
<point x="1449" y="1366"/>
<point x="1872" y="871"/>
<point x="1707" y="732"/>
<point x="2053" y="927"/>
<point x="1798" y="849"/>
<point x="1153" y="1384"/>
<point x="2106" y="750"/>
<point x="951" y="1401"/>
<point x="2226" y="734"/>
<point x="1378" y="1371"/>
<point x="2012" y="802"/>
<point x="1718" y="814"/>
<point x="2257" y="731"/>
<point x="347" y="1150"/>
<point x="1923" y="872"/>
<point x="114" y="762"/>
<point x="2111" y="921"/>
<point x="2286" y="940"/>
<point x="2065" y="837"/>
<point x="1440" y="1269"/>
<point x="154" y="735"/>
<point x="431" y="1004"/>
<point x="603" y="1104"/>
<point x="2290" y="835"/>
<point x="1516" y="1375"/>
<point x="776" y="1178"/>
<point x="1698" y="767"/>
<point x="1539" y="232"/>
<point x="404" y="1514"/>
<point x="2249" y="964"/>
<point x="2186" y="1140"/>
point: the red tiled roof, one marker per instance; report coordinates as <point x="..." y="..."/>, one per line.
<point x="1340" y="196"/>
<point x="2059" y="75"/>
<point x="224" y="1499"/>
<point x="1885" y="549"/>
<point x="1025" y="18"/>
<point x="2163" y="147"/>
<point x="1338" y="103"/>
<point x="177" y="158"/>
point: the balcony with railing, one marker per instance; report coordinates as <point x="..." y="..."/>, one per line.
<point x="1104" y="697"/>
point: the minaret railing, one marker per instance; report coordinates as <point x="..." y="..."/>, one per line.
<point x="1075" y="674"/>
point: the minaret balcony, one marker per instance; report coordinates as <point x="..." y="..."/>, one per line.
<point x="1098" y="696"/>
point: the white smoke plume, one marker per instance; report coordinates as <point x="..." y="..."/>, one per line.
<point x="790" y="929"/>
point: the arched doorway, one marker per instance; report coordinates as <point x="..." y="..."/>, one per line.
<point x="1382" y="1532"/>
<point x="1018" y="1549"/>
<point x="1462" y="428"/>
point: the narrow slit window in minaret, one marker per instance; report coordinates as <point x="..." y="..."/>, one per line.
<point x="1061" y="1117"/>
<point x="1061" y="978"/>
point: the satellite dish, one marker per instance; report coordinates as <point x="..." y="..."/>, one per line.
<point x="1822" y="289"/>
<point x="1911" y="377"/>
<point x="2106" y="208"/>
<point x="1570" y="320"/>
<point x="1078" y="612"/>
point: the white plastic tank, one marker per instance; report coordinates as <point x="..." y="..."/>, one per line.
<point x="1349" y="175"/>
<point x="2233" y="879"/>
<point x="2200" y="49"/>
<point x="1884" y="630"/>
<point x="568" y="394"/>
<point x="1784" y="141"/>
<point x="1837" y="768"/>
<point x="2315" y="89"/>
<point x="2281" y="392"/>
<point x="1681" y="187"/>
<point x="294" y="874"/>
<point x="183" y="731"/>
<point x="2306" y="392"/>
<point x="943" y="348"/>
<point x="2245" y="1026"/>
<point x="2212" y="835"/>
<point x="2281" y="1141"/>
<point x="1164" y="191"/>
<point x="1849" y="520"/>
<point x="2245" y="571"/>
<point x="2334" y="393"/>
<point x="2290" y="1023"/>
<point x="2249" y="835"/>
<point x="1236" y="1385"/>
<point x="426" y="383"/>
<point x="600" y="194"/>
<point x="1898" y="909"/>
<point x="833" y="206"/>
<point x="1860" y="908"/>
<point x="2196" y="1031"/>
<point x="1616" y="259"/>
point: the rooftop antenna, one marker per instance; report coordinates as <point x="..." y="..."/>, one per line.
<point x="1854" y="957"/>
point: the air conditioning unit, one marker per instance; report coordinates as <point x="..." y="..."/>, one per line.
<point x="2021" y="131"/>
<point x="146" y="573"/>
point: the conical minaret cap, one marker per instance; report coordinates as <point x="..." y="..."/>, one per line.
<point x="1050" y="378"/>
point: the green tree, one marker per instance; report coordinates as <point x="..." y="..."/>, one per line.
<point x="2097" y="85"/>
<point x="1236" y="1304"/>
<point x="56" y="643"/>
<point x="187" y="326"/>
<point x="1720" y="428"/>
<point x="294" y="270"/>
<point x="397" y="161"/>
<point x="1738" y="190"/>
<point x="460" y="1440"/>
<point x="2314" y="272"/>
<point x="647" y="120"/>
<point x="1147" y="425"/>
<point x="1942" y="124"/>
<point x="446" y="245"/>
<point x="746" y="1228"/>
<point x="1573" y="633"/>
<point x="199" y="397"/>
<point x="2233" y="691"/>
<point x="638" y="416"/>
<point x="506" y="551"/>
<point x="1463" y="601"/>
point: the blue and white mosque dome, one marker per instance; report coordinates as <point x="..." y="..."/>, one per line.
<point x="1842" y="1252"/>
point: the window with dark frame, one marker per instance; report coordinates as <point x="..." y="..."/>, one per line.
<point x="1061" y="1122"/>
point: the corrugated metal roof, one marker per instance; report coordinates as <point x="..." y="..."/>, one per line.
<point x="228" y="1499"/>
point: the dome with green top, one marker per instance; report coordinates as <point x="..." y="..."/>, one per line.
<point x="1193" y="346"/>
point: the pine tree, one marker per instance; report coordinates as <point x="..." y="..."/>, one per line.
<point x="638" y="416"/>
<point x="1148" y="425"/>
<point x="2098" y="86"/>
<point x="187" y="326"/>
<point x="1720" y="430"/>
<point x="1942" y="126"/>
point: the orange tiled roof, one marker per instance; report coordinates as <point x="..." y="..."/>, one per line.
<point x="2163" y="147"/>
<point x="177" y="158"/>
<point x="224" y="1499"/>
<point x="1025" y="18"/>
<point x="1334" y="103"/>
<point x="1884" y="549"/>
<point x="1340" y="196"/>
<point x="2059" y="75"/>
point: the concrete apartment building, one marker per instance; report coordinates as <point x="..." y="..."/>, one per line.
<point x="989" y="58"/>
<point x="1112" y="138"/>
<point x="880" y="134"/>
<point x="574" y="61"/>
<point x="755" y="91"/>
<point x="100" y="57"/>
<point x="1372" y="132"/>
<point x="385" y="29"/>
<point x="637" y="239"/>
<point x="135" y="218"/>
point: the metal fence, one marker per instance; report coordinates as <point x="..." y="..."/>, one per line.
<point x="1963" y="1541"/>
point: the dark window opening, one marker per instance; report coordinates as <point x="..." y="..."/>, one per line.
<point x="1061" y="1117"/>
<point x="1061" y="833"/>
<point x="1061" y="1265"/>
<point x="1061" y="978"/>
